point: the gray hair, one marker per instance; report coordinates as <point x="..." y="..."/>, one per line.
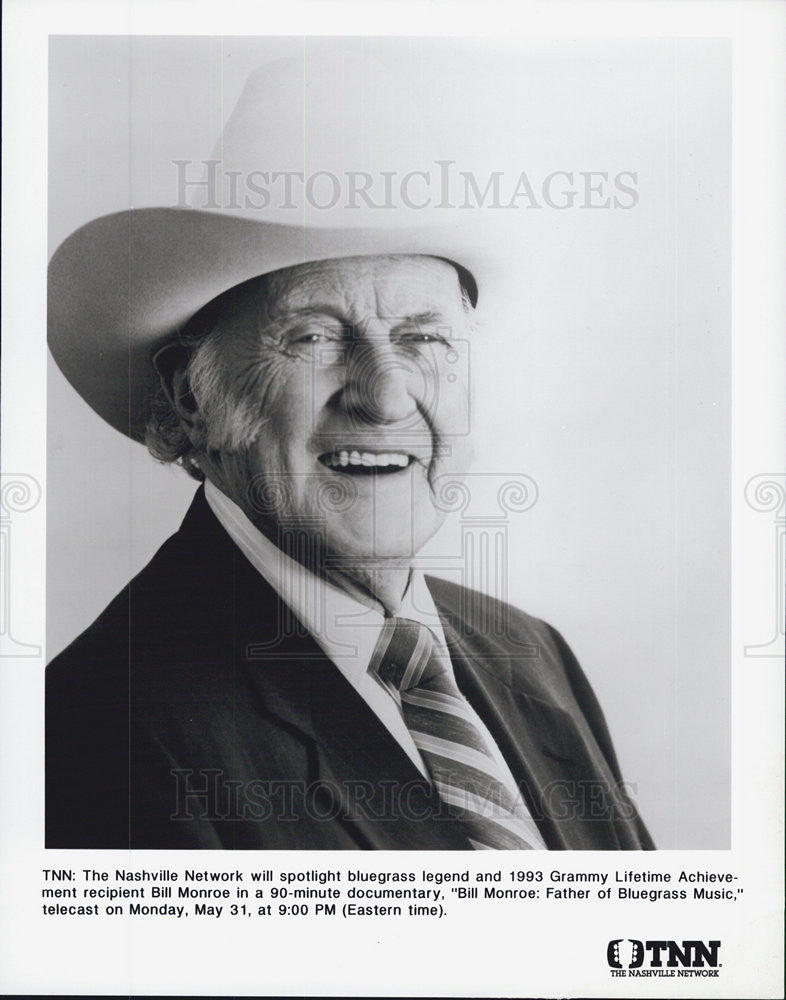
<point x="230" y="419"/>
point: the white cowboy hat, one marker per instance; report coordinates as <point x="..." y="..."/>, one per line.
<point x="320" y="158"/>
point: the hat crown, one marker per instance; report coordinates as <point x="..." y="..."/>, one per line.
<point x="330" y="139"/>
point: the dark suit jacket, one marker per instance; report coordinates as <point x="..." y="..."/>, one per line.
<point x="191" y="715"/>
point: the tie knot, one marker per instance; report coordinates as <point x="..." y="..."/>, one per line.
<point x="404" y="656"/>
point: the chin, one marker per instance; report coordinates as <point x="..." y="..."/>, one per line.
<point x="364" y="549"/>
<point x="401" y="542"/>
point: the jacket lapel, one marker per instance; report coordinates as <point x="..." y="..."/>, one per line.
<point x="356" y="770"/>
<point x="551" y="762"/>
<point x="358" y="774"/>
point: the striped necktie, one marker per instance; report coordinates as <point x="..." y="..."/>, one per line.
<point x="463" y="771"/>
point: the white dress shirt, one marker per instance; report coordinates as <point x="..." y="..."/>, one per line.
<point x="346" y="630"/>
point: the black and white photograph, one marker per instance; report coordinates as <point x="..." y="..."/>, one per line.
<point x="390" y="390"/>
<point x="399" y="290"/>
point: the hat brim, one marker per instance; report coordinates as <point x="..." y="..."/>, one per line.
<point x="124" y="284"/>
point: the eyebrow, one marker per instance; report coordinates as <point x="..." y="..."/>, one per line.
<point x="305" y="312"/>
<point x="423" y="318"/>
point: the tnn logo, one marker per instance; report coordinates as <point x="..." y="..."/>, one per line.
<point x="628" y="953"/>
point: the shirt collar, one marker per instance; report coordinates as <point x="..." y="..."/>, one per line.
<point x="344" y="628"/>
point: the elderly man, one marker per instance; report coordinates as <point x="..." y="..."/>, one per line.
<point x="281" y="675"/>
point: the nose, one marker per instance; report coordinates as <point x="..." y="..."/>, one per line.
<point x="378" y="385"/>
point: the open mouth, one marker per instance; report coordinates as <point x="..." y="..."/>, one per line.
<point x="366" y="463"/>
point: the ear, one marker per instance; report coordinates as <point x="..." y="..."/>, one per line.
<point x="171" y="363"/>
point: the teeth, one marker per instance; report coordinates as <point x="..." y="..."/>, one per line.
<point x="368" y="459"/>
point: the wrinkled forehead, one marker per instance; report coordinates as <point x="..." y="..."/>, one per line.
<point x="359" y="288"/>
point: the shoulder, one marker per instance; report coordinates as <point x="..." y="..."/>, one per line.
<point x="473" y="612"/>
<point x="182" y="586"/>
<point x="537" y="659"/>
<point x="160" y="642"/>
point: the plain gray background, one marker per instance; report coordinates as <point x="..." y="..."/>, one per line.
<point x="606" y="378"/>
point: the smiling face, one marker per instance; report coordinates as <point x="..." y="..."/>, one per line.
<point x="354" y="374"/>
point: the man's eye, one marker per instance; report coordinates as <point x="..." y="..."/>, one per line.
<point x="422" y="337"/>
<point x="321" y="336"/>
